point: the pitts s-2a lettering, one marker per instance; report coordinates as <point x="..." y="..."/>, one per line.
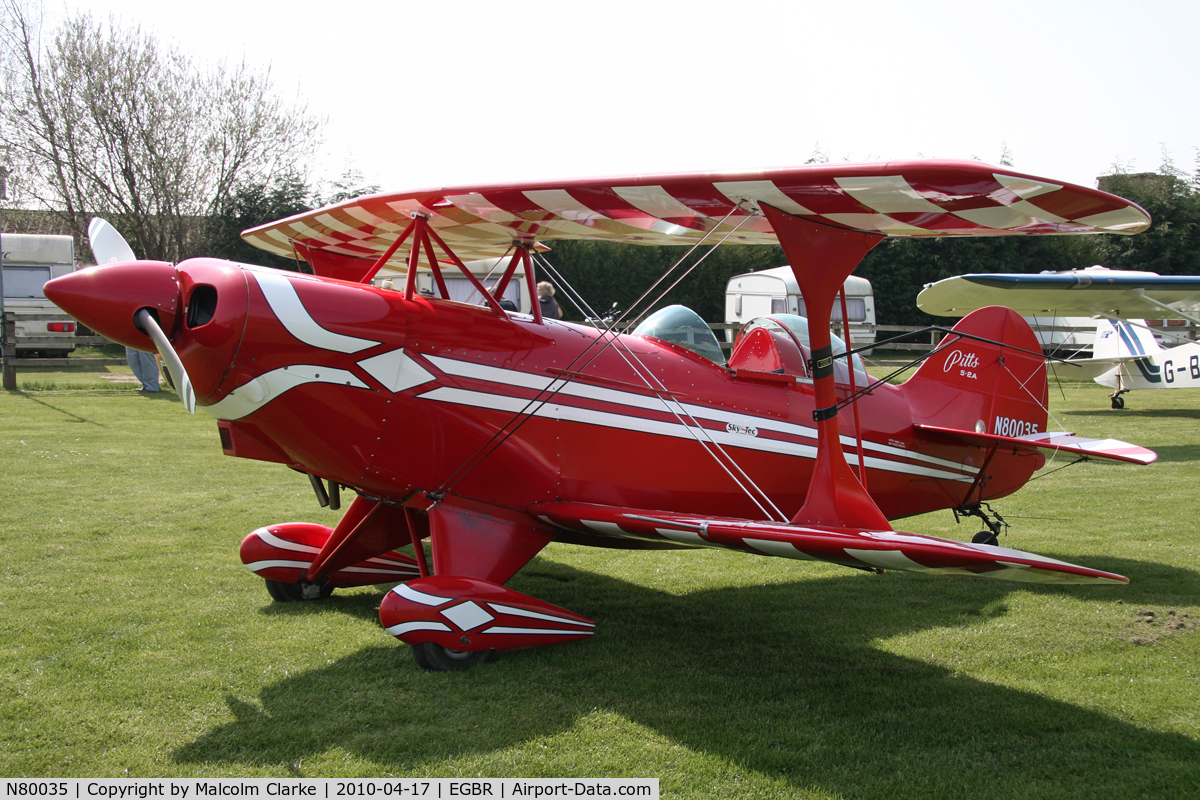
<point x="492" y="433"/>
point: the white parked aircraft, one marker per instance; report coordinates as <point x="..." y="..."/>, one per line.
<point x="1126" y="355"/>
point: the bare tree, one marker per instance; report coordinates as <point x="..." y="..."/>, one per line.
<point x="104" y="120"/>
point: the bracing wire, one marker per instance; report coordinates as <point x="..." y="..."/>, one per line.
<point x="605" y="340"/>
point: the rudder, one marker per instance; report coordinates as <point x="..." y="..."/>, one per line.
<point x="996" y="386"/>
<point x="1124" y="339"/>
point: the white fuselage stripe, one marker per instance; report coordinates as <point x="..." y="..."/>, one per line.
<point x="527" y="380"/>
<point x="570" y="413"/>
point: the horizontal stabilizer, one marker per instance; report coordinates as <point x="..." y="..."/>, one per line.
<point x="1050" y="443"/>
<point x="1086" y="369"/>
<point x="863" y="549"/>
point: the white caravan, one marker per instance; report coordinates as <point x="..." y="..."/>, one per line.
<point x="29" y="261"/>
<point x="774" y="291"/>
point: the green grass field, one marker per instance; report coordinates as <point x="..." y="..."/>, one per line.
<point x="136" y="644"/>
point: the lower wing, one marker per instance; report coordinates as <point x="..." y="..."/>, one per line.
<point x="864" y="549"/>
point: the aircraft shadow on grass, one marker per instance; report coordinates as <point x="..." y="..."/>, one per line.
<point x="828" y="708"/>
<point x="70" y="416"/>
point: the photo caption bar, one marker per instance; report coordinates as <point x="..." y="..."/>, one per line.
<point x="329" y="788"/>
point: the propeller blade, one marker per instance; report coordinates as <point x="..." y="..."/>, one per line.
<point x="179" y="375"/>
<point x="108" y="246"/>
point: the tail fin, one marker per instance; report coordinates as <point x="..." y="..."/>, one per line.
<point x="1124" y="339"/>
<point x="995" y="386"/>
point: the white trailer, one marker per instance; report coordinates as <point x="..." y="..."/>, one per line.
<point x="28" y="262"/>
<point x="774" y="291"/>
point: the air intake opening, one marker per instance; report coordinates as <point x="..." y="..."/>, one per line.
<point x="202" y="306"/>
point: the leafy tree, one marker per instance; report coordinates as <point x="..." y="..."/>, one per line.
<point x="251" y="205"/>
<point x="101" y="120"/>
<point x="258" y="202"/>
<point x="347" y="187"/>
<point x="1172" y="245"/>
<point x="899" y="268"/>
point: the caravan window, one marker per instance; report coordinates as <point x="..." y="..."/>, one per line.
<point x="25" y="282"/>
<point x="778" y="305"/>
<point x="855" y="306"/>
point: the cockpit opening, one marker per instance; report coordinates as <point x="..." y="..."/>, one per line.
<point x="681" y="326"/>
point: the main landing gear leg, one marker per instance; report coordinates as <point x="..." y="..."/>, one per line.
<point x="994" y="522"/>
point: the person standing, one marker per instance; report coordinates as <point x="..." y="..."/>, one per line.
<point x="145" y="368"/>
<point x="550" y="309"/>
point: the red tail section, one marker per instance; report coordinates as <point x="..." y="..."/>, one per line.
<point x="975" y="385"/>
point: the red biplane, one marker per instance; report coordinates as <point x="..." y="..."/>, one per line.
<point x="492" y="433"/>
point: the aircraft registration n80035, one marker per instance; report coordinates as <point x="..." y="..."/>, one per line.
<point x="493" y="433"/>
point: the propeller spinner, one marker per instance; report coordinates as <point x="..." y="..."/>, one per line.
<point x="126" y="300"/>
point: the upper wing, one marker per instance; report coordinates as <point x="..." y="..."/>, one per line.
<point x="1079" y="293"/>
<point x="865" y="549"/>
<point x="916" y="198"/>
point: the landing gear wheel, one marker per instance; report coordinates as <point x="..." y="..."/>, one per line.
<point x="435" y="658"/>
<point x="995" y="523"/>
<point x="297" y="592"/>
<point x="1118" y="403"/>
<point x="985" y="537"/>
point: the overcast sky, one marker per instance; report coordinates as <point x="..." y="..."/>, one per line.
<point x="429" y="94"/>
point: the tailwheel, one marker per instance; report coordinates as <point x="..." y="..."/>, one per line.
<point x="297" y="592"/>
<point x="994" y="522"/>
<point x="985" y="537"/>
<point x="435" y="658"/>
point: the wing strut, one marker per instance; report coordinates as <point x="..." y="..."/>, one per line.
<point x="822" y="257"/>
<point x="862" y="462"/>
<point x="424" y="238"/>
